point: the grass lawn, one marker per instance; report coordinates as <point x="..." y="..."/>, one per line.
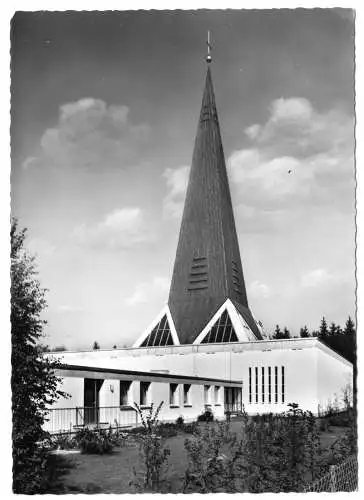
<point x="112" y="473"/>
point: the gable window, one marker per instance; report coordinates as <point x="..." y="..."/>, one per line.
<point x="144" y="393"/>
<point x="186" y="394"/>
<point x="160" y="335"/>
<point x="173" y="394"/>
<point x="221" y="331"/>
<point x="124" y="392"/>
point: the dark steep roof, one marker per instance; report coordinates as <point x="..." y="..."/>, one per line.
<point x="208" y="267"/>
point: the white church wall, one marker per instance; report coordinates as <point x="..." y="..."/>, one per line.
<point x="334" y="375"/>
<point x="313" y="373"/>
<point x="74" y="386"/>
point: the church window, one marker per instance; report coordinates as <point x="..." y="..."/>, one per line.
<point x="124" y="392"/>
<point x="282" y="384"/>
<point x="173" y="395"/>
<point x="221" y="331"/>
<point x="250" y="385"/>
<point x="206" y="393"/>
<point x="276" y="384"/>
<point x="144" y="393"/>
<point x="256" y="384"/>
<point x="217" y="394"/>
<point x="263" y="384"/>
<point x="186" y="394"/>
<point x="160" y="335"/>
<point x="269" y="384"/>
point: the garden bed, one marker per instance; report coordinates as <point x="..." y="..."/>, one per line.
<point x="113" y="473"/>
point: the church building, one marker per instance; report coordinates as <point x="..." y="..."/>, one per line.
<point x="205" y="348"/>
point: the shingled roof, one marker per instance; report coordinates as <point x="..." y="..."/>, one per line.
<point x="208" y="267"/>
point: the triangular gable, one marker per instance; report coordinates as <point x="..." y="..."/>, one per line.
<point x="161" y="332"/>
<point x="227" y="323"/>
<point x="249" y="320"/>
<point x="221" y="331"/>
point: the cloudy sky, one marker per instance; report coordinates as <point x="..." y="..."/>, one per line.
<point x="104" y="114"/>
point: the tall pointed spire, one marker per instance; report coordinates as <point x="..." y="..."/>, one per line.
<point x="208" y="267"/>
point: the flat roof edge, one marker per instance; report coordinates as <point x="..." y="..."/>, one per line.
<point x="131" y="373"/>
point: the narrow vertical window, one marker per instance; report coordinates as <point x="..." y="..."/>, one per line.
<point x="283" y="384"/>
<point x="217" y="394"/>
<point x="269" y="384"/>
<point x="206" y="394"/>
<point x="186" y="394"/>
<point x="250" y="385"/>
<point x="263" y="388"/>
<point x="144" y="393"/>
<point x="173" y="394"/>
<point x="124" y="392"/>
<point x="256" y="384"/>
<point x="276" y="384"/>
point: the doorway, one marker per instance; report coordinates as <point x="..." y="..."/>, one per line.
<point x="91" y="400"/>
<point x="233" y="399"/>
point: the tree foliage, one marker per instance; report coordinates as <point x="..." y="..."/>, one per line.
<point x="304" y="333"/>
<point x="33" y="382"/>
<point x="95" y="346"/>
<point x="279" y="334"/>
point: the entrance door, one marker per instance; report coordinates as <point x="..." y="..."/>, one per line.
<point x="91" y="400"/>
<point x="233" y="399"/>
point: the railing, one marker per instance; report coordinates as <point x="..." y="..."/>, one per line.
<point x="61" y="420"/>
<point x="341" y="477"/>
<point x="236" y="407"/>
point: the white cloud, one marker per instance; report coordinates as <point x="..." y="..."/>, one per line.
<point x="259" y="290"/>
<point x="92" y="135"/>
<point x="176" y="180"/>
<point x="28" y="161"/>
<point x="121" y="228"/>
<point x="145" y="291"/>
<point x="316" y="278"/>
<point x="299" y="160"/>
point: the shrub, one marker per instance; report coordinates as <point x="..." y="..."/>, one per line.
<point x="94" y="442"/>
<point x="154" y="454"/>
<point x="180" y="421"/>
<point x="213" y="460"/>
<point x="323" y="424"/>
<point x="206" y="416"/>
<point x="65" y="441"/>
<point x="340" y="420"/>
<point x="167" y="429"/>
<point x="190" y="428"/>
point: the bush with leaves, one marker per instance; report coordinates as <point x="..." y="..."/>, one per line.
<point x="153" y="452"/>
<point x="206" y="416"/>
<point x="94" y="441"/>
<point x="213" y="460"/>
<point x="33" y="382"/>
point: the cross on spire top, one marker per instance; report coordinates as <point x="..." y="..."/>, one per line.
<point x="208" y="57"/>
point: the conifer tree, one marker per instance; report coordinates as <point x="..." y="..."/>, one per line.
<point x="277" y="333"/>
<point x="304" y="333"/>
<point x="323" y="329"/>
<point x="33" y="382"/>
<point x="95" y="346"/>
<point x="349" y="327"/>
<point x="286" y="334"/>
<point x="333" y="329"/>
